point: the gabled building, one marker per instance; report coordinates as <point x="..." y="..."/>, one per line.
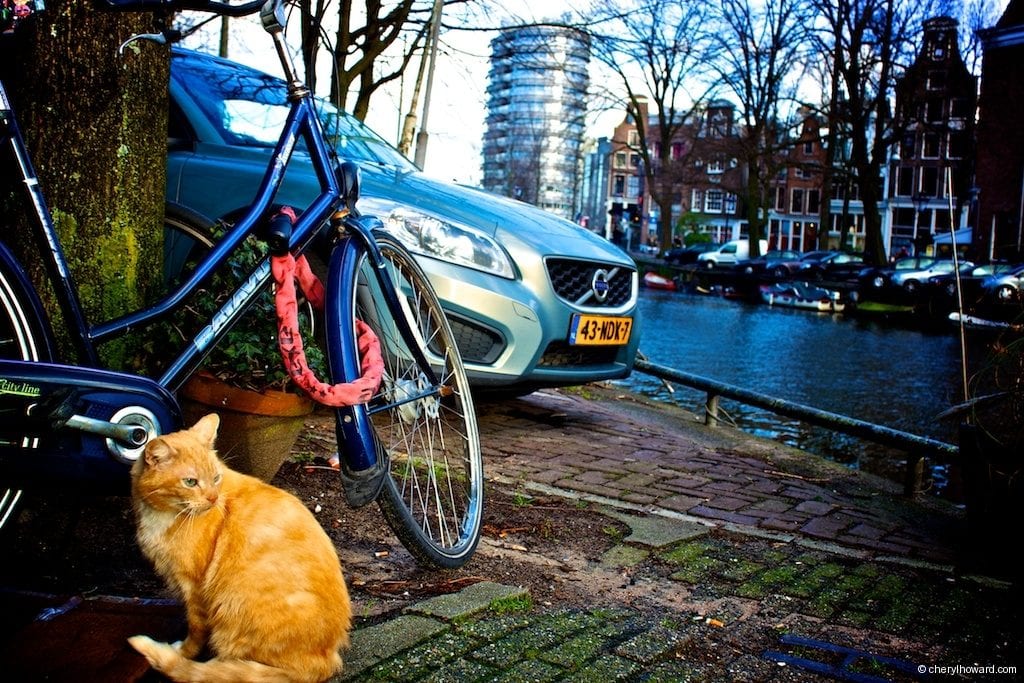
<point x="932" y="165"/>
<point x="713" y="177"/>
<point x="793" y="221"/>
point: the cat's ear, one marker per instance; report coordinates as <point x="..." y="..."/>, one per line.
<point x="158" y="452"/>
<point x="206" y="429"/>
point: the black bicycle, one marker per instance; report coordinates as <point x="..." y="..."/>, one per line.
<point x="412" y="446"/>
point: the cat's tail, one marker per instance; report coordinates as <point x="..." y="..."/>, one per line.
<point x="168" y="661"/>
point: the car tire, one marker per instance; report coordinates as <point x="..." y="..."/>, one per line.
<point x="709" y="264"/>
<point x="1006" y="293"/>
<point x="780" y="273"/>
<point x="911" y="286"/>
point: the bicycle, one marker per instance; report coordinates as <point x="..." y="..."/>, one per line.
<point x="413" y="447"/>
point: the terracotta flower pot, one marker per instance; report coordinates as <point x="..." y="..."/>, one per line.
<point x="257" y="429"/>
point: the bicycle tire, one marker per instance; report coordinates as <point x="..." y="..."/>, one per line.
<point x="432" y="496"/>
<point x="188" y="236"/>
<point x="22" y="337"/>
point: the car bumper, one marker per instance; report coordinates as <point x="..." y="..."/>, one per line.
<point x="510" y="336"/>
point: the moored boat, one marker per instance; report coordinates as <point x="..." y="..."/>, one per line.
<point x="802" y="295"/>
<point x="654" y="281"/>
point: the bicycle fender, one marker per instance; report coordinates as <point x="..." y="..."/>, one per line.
<point x="353" y="428"/>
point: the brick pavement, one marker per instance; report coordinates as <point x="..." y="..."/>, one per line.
<point x="663" y="460"/>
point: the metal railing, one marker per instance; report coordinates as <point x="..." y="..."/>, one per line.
<point x="916" y="447"/>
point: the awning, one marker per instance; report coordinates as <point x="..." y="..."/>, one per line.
<point x="963" y="236"/>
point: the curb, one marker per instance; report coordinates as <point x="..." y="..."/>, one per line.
<point x="421" y="622"/>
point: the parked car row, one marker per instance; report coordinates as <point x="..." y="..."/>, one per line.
<point x="925" y="281"/>
<point x="515" y="281"/>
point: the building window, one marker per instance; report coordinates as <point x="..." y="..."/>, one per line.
<point x="933" y="110"/>
<point x="696" y="199"/>
<point x="958" y="142"/>
<point x="676" y="151"/>
<point x="634" y="138"/>
<point x="904" y="181"/>
<point x="959" y="108"/>
<point x="809" y="147"/>
<point x="930" y="181"/>
<point x="716" y="166"/>
<point x="780" y="198"/>
<point x="930" y="146"/>
<point x="713" y="201"/>
<point x="618" y="185"/>
<point x="634" y="160"/>
<point x="907" y="146"/>
<point x="620" y="160"/>
<point x="813" y="201"/>
<point x="730" y="203"/>
<point x="797" y="200"/>
<point x="633" y="186"/>
<point x="936" y="79"/>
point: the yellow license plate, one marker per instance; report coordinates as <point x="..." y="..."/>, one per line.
<point x="599" y="330"/>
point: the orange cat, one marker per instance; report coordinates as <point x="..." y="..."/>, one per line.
<point x="260" y="580"/>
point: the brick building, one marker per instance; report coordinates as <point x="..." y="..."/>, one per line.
<point x="1000" y="156"/>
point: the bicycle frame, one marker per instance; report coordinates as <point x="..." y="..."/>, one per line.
<point x="111" y="393"/>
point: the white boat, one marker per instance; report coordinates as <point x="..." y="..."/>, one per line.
<point x="802" y="295"/>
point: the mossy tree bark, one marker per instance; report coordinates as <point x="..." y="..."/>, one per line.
<point x="95" y="122"/>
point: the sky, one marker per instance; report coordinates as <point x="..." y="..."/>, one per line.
<point x="457" y="107"/>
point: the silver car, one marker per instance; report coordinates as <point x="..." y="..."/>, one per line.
<point x="534" y="300"/>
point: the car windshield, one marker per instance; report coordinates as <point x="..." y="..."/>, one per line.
<point x="249" y="108"/>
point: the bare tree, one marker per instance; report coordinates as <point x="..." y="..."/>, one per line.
<point x="661" y="51"/>
<point x="868" y="44"/>
<point x="977" y="15"/>
<point x="365" y="36"/>
<point x="762" y="45"/>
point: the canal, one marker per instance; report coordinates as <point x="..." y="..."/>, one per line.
<point x="891" y="373"/>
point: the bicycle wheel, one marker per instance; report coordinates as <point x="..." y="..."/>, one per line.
<point x="433" y="495"/>
<point x="188" y="236"/>
<point x="22" y="337"/>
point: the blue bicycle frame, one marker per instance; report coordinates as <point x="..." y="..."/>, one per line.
<point x="78" y="446"/>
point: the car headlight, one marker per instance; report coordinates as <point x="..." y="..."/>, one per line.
<point x="442" y="239"/>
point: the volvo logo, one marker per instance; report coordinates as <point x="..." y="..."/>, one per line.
<point x="599" y="285"/>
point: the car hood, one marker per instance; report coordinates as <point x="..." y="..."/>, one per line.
<point x="506" y="220"/>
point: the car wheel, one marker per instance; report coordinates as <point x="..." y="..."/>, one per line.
<point x="780" y="273"/>
<point x="910" y="286"/>
<point x="878" y="281"/>
<point x="709" y="264"/>
<point x="1006" y="293"/>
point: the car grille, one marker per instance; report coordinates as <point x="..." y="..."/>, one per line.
<point x="560" y="354"/>
<point x="573" y="282"/>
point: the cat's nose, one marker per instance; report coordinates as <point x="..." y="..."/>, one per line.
<point x="211" y="497"/>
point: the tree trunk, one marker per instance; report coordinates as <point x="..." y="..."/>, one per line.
<point x="95" y="122"/>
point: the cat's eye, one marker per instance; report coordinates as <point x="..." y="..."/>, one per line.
<point x="190" y="482"/>
<point x="216" y="478"/>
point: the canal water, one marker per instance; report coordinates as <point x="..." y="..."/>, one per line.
<point x="891" y="373"/>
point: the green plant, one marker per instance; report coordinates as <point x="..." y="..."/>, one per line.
<point x="248" y="355"/>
